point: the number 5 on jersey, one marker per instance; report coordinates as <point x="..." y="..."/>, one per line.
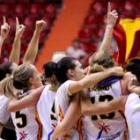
<point x="22" y="119"/>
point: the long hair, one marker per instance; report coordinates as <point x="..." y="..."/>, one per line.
<point x="5" y="68"/>
<point x="8" y="87"/>
<point x="19" y="80"/>
<point x="63" y="66"/>
<point x="22" y="75"/>
<point x="50" y="69"/>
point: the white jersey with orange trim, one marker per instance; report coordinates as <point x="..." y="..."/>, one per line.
<point x="4" y="113"/>
<point x="106" y="126"/>
<point x="25" y="122"/>
<point x="46" y="112"/>
<point x="5" y="117"/>
<point x="62" y="102"/>
<point x="132" y="113"/>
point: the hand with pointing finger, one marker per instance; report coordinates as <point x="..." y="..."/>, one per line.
<point x="112" y="16"/>
<point x="5" y="28"/>
<point x="20" y="28"/>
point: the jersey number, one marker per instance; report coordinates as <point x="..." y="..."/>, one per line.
<point x="53" y="115"/>
<point x="23" y="118"/>
<point x="103" y="98"/>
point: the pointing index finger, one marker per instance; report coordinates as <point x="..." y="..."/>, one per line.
<point x="4" y="19"/>
<point x="109" y="7"/>
<point x="17" y="21"/>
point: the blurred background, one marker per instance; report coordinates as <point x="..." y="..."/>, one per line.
<point x="73" y="26"/>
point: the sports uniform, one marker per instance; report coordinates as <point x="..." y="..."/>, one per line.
<point x="106" y="126"/>
<point x="62" y="102"/>
<point x="4" y="113"/>
<point x="132" y="113"/>
<point x="46" y="112"/>
<point x="26" y="125"/>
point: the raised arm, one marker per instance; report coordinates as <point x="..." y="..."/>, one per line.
<point x="89" y="109"/>
<point x="111" y="20"/>
<point x="93" y="79"/>
<point x="15" y="53"/>
<point x="5" y="28"/>
<point x="29" y="100"/>
<point x="70" y="119"/>
<point x="32" y="49"/>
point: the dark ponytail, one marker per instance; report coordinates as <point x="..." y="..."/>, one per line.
<point x="5" y="68"/>
<point x="63" y="66"/>
<point x="50" y="69"/>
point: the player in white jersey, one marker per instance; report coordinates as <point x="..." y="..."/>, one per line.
<point x="6" y="126"/>
<point x="44" y="103"/>
<point x="129" y="105"/>
<point x="132" y="113"/>
<point x="68" y="72"/>
<point x="25" y="77"/>
<point x="105" y="126"/>
<point x="112" y="125"/>
<point x="4" y="117"/>
<point x="7" y="68"/>
<point x="112" y="16"/>
<point x="31" y="99"/>
<point x="45" y="106"/>
<point x="26" y="125"/>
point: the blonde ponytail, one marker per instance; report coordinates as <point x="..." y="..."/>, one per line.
<point x="101" y="60"/>
<point x="96" y="68"/>
<point x="7" y="87"/>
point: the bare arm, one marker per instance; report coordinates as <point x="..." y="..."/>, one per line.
<point x="71" y="117"/>
<point x="15" y="53"/>
<point x="136" y="90"/>
<point x="133" y="86"/>
<point x="32" y="49"/>
<point x="89" y="109"/>
<point x="5" y="28"/>
<point x="111" y="20"/>
<point x="1" y="43"/>
<point x="29" y="100"/>
<point x="93" y="79"/>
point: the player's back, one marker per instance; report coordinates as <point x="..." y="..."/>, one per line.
<point x="44" y="109"/>
<point x="105" y="126"/>
<point x="25" y="123"/>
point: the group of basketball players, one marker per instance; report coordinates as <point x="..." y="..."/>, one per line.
<point x="68" y="102"/>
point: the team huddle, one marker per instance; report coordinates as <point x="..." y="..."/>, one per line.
<point x="67" y="102"/>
